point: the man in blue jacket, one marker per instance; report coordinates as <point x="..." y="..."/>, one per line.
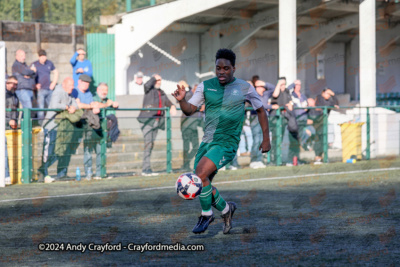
<point x="80" y="66"/>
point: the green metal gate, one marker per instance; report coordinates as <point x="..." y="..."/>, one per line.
<point x="100" y="50"/>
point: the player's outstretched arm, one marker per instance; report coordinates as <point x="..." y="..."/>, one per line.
<point x="179" y="94"/>
<point x="262" y="118"/>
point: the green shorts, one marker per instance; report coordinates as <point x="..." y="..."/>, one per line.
<point x="220" y="154"/>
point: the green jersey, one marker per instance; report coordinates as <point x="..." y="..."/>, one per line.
<point x="224" y="111"/>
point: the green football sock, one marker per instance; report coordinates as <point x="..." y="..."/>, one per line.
<point x="217" y="201"/>
<point x="206" y="199"/>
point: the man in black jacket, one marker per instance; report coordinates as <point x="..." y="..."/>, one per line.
<point x="11" y="116"/>
<point x="152" y="120"/>
<point x="26" y="79"/>
<point x="326" y="98"/>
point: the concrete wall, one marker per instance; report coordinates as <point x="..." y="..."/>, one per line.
<point x="260" y="56"/>
<point x="59" y="41"/>
<point x="184" y="47"/>
<point x="59" y="54"/>
<point x="387" y="60"/>
<point x="334" y="70"/>
<point x="257" y="57"/>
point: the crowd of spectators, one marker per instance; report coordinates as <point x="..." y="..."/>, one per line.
<point x="304" y="125"/>
<point x="81" y="119"/>
<point x="78" y="117"/>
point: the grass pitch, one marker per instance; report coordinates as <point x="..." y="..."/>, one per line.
<point x="311" y="215"/>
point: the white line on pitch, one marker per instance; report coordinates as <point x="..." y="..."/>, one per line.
<point x="226" y="182"/>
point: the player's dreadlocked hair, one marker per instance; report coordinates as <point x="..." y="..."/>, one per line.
<point x="226" y="54"/>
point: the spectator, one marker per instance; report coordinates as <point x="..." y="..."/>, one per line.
<point x="246" y="138"/>
<point x="190" y="134"/>
<point x="152" y="120"/>
<point x="326" y="98"/>
<point x="83" y="96"/>
<point x="308" y="132"/>
<point x="100" y="101"/>
<point x="84" y="99"/>
<point x="281" y="97"/>
<point x="12" y="102"/>
<point x="254" y="79"/>
<point x="61" y="99"/>
<point x="11" y="116"/>
<point x="26" y="79"/>
<point x="80" y="66"/>
<point x="232" y="166"/>
<point x="265" y="91"/>
<point x="299" y="101"/>
<point x="137" y="85"/>
<point x="44" y="85"/>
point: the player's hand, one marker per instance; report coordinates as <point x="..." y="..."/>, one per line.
<point x="265" y="146"/>
<point x="179" y="93"/>
<point x="96" y="111"/>
<point x="38" y="86"/>
<point x="115" y="104"/>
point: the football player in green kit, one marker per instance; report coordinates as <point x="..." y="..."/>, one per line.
<point x="224" y="97"/>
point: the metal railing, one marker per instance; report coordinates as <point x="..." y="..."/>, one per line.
<point x="26" y="128"/>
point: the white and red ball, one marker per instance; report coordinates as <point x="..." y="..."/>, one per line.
<point x="188" y="186"/>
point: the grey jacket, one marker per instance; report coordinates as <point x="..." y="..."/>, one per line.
<point x="59" y="100"/>
<point x="151" y="100"/>
<point x="20" y="70"/>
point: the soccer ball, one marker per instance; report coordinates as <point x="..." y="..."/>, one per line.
<point x="188" y="186"/>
